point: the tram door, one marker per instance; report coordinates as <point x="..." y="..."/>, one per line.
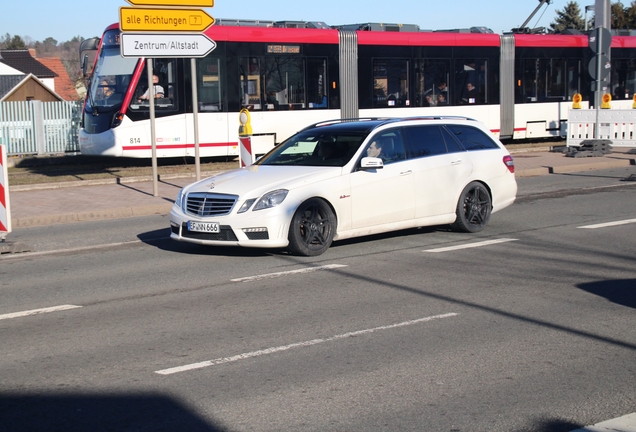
<point x="217" y="129"/>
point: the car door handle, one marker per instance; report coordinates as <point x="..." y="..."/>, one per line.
<point x="456" y="162"/>
<point x="403" y="173"/>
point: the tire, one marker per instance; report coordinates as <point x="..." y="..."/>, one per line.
<point x="473" y="209"/>
<point x="312" y="228"/>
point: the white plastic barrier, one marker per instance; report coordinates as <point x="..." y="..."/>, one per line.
<point x="5" y="209"/>
<point x="618" y="126"/>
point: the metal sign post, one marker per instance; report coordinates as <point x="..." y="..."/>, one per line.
<point x="195" y="113"/>
<point x="153" y="140"/>
<point x="599" y="67"/>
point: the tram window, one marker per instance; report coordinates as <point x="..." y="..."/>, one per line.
<point x="574" y="77"/>
<point x="549" y="80"/>
<point x="431" y="80"/>
<point x="623" y="78"/>
<point x="250" y="73"/>
<point x="209" y="92"/>
<point x="470" y="81"/>
<point x="283" y="82"/>
<point x="555" y="78"/>
<point x="165" y="70"/>
<point x="390" y="83"/>
<point x="317" y="83"/>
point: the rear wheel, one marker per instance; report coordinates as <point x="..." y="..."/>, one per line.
<point x="312" y="228"/>
<point x="473" y="209"/>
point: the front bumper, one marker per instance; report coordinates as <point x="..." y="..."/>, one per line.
<point x="263" y="229"/>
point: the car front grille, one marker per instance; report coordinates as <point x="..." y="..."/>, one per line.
<point x="209" y="204"/>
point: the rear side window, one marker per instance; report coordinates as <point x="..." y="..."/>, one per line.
<point x="472" y="138"/>
<point x="425" y="141"/>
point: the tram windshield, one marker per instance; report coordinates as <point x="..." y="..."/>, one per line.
<point x="112" y="74"/>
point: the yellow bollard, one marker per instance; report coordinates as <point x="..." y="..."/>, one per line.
<point x="244" y="118"/>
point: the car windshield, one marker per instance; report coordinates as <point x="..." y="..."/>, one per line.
<point x="316" y="147"/>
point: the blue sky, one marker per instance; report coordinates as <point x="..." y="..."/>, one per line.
<point x="64" y="19"/>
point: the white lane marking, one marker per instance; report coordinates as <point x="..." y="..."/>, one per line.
<point x="266" y="351"/>
<point x="286" y="273"/>
<point x="470" y="245"/>
<point x="609" y="224"/>
<point x="625" y="423"/>
<point x="75" y="249"/>
<point x="38" y="311"/>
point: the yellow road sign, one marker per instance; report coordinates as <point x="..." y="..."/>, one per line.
<point x="146" y="19"/>
<point x="188" y="3"/>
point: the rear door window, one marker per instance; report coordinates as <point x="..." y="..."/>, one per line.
<point x="425" y="141"/>
<point x="472" y="138"/>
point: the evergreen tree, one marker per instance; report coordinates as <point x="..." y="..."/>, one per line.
<point x="569" y="18"/>
<point x="12" y="43"/>
<point x="630" y="15"/>
<point x="619" y="16"/>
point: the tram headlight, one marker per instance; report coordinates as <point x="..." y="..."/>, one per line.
<point x="117" y="119"/>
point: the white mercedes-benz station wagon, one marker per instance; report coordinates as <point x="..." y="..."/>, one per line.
<point x="347" y="178"/>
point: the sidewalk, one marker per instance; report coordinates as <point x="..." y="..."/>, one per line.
<point x="55" y="203"/>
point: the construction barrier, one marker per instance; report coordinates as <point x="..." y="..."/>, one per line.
<point x="5" y="208"/>
<point x="618" y="126"/>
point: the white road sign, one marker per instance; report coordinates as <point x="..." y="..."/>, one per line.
<point x="186" y="45"/>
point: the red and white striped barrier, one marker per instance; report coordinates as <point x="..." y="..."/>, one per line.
<point x="5" y="209"/>
<point x="245" y="151"/>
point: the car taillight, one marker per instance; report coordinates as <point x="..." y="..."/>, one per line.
<point x="509" y="163"/>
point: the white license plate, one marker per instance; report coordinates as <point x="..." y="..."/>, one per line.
<point x="209" y="227"/>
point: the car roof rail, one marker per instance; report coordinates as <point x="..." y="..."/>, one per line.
<point x="443" y="117"/>
<point x="346" y="120"/>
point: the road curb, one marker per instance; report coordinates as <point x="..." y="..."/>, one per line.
<point x="115" y="213"/>
<point x="108" y="181"/>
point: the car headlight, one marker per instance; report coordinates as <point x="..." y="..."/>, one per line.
<point x="180" y="198"/>
<point x="271" y="199"/>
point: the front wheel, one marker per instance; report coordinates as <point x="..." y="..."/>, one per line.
<point x="473" y="209"/>
<point x="312" y="228"/>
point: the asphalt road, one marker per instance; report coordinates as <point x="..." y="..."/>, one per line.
<point x="528" y="329"/>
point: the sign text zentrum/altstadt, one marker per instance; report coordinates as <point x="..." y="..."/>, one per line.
<point x="166" y="45"/>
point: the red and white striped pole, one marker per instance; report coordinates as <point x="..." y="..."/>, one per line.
<point x="246" y="156"/>
<point x="5" y="208"/>
<point x="245" y="148"/>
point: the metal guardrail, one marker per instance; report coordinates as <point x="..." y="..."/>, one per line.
<point x="36" y="127"/>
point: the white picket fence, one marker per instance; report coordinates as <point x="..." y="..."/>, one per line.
<point x="616" y="125"/>
<point x="36" y="127"/>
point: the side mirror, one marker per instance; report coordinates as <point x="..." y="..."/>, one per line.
<point x="84" y="64"/>
<point x="371" y="163"/>
<point x="90" y="45"/>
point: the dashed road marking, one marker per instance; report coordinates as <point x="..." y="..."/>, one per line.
<point x="38" y="311"/>
<point x="470" y="245"/>
<point x="287" y="273"/>
<point x="609" y="224"/>
<point x="273" y="350"/>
